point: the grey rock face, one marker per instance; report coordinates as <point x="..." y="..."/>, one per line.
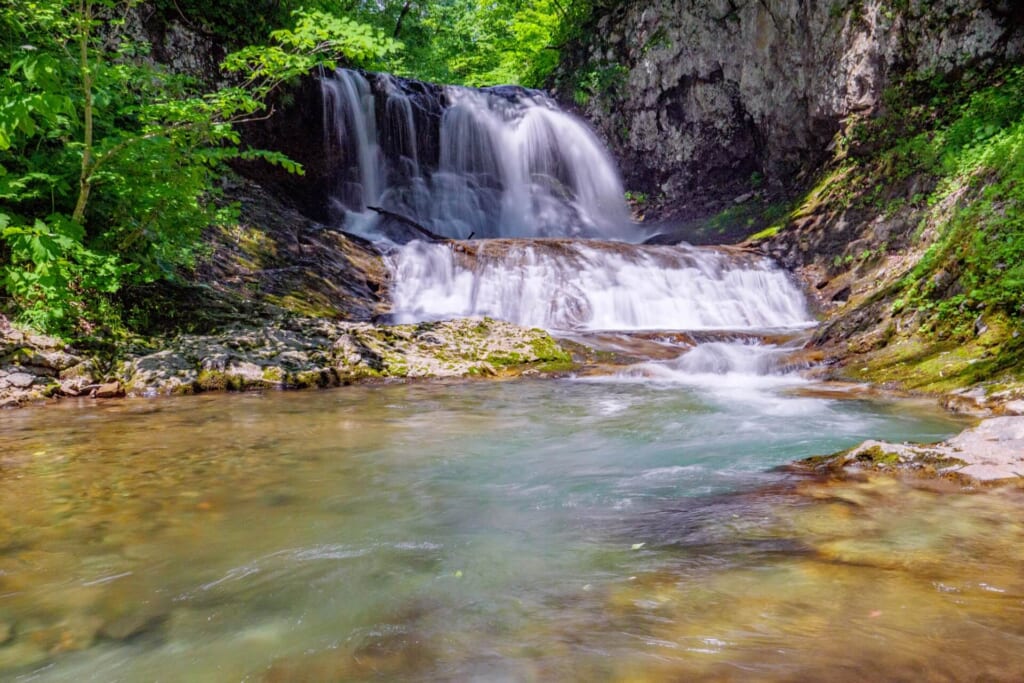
<point x="697" y="97"/>
<point x="317" y="352"/>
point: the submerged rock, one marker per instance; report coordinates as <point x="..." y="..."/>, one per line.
<point x="992" y="451"/>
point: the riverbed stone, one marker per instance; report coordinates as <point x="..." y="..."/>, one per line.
<point x="20" y="380"/>
<point x="128" y="626"/>
<point x="109" y="390"/>
<point x="993" y="451"/>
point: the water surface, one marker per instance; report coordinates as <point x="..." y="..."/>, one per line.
<point x="491" y="531"/>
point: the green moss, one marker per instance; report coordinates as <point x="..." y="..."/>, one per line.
<point x="307" y="379"/>
<point x="878" y="457"/>
<point x="771" y="231"/>
<point x="273" y="374"/>
<point x="506" y="359"/>
<point x="819" y="463"/>
<point x="922" y="363"/>
<point x="212" y="380"/>
<point x="545" y="348"/>
<point x="183" y="390"/>
<point x="306" y="304"/>
<point x="555" y="366"/>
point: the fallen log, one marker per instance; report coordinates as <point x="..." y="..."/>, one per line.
<point x="410" y="222"/>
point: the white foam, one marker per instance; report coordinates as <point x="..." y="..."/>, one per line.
<point x="562" y="285"/>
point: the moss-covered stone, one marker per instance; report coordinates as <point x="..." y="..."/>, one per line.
<point x="877" y="456"/>
<point x="308" y="352"/>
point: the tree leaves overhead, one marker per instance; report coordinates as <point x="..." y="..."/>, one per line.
<point x="109" y="161"/>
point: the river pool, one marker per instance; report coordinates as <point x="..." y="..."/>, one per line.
<point x="528" y="530"/>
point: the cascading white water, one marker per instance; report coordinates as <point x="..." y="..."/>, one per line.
<point x="349" y="122"/>
<point x="507" y="162"/>
<point x="565" y="285"/>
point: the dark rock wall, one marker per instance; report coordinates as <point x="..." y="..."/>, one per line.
<point x="705" y="101"/>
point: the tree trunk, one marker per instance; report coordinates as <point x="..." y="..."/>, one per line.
<point x="85" y="177"/>
<point x="401" y="17"/>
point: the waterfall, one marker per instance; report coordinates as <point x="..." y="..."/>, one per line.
<point x="505" y="163"/>
<point x="491" y="162"/>
<point x="349" y="123"/>
<point x="590" y="285"/>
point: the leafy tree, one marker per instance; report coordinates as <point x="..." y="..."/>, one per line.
<point x="108" y="161"/>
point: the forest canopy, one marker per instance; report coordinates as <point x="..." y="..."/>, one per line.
<point x="468" y="42"/>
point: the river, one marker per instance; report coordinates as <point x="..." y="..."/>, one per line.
<point x="531" y="530"/>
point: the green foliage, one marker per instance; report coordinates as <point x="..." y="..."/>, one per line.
<point x="478" y="42"/>
<point x="604" y="79"/>
<point x="470" y="42"/>
<point x="963" y="142"/>
<point x="318" y="39"/>
<point x="50" y="270"/>
<point x="108" y="163"/>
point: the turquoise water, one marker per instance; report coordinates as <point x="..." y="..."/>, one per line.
<point x="528" y="530"/>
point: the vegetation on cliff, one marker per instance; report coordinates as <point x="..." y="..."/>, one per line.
<point x="916" y="229"/>
<point x="469" y="42"/>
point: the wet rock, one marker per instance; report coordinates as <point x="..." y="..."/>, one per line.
<point x="74" y="387"/>
<point x="1014" y="407"/>
<point x="6" y="632"/>
<point x="133" y="625"/>
<point x="992" y="451"/>
<point x="108" y="390"/>
<point x="73" y="633"/>
<point x="20" y="380"/>
<point x="307" y="352"/>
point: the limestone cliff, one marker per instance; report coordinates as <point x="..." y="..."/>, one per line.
<point x="707" y="101"/>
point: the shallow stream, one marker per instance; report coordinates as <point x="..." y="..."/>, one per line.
<point x="531" y="530"/>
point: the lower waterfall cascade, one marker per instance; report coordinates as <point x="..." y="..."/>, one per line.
<point x="554" y="246"/>
<point x="584" y="285"/>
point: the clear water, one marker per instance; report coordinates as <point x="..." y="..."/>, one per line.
<point x="547" y="530"/>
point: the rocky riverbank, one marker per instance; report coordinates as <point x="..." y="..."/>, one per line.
<point x="991" y="452"/>
<point x="294" y="354"/>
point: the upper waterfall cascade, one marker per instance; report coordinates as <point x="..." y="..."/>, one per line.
<point x="491" y="162"/>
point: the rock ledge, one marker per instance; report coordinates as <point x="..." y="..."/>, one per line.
<point x="993" y="451"/>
